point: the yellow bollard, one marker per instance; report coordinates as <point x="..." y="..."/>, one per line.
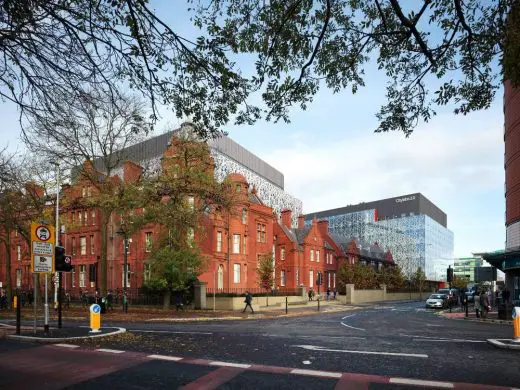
<point x="95" y="318"/>
<point x="15" y="301"/>
<point x="516" y="324"/>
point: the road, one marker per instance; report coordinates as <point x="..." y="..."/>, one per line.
<point x="372" y="348"/>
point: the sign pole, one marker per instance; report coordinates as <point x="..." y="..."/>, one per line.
<point x="35" y="300"/>
<point x="57" y="230"/>
<point x="60" y="298"/>
<point x="46" y="306"/>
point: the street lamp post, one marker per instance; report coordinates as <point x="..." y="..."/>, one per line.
<point x="123" y="232"/>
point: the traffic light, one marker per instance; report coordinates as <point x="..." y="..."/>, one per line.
<point x="449" y="275"/>
<point x="63" y="262"/>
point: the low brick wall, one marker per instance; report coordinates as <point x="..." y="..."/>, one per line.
<point x="230" y="303"/>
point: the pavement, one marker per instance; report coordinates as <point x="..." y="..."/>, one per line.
<point x="386" y="346"/>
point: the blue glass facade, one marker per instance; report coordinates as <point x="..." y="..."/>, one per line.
<point x="415" y="240"/>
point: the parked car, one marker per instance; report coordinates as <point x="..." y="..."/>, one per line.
<point x="451" y="293"/>
<point x="437" y="301"/>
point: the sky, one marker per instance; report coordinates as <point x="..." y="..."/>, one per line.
<point x="331" y="157"/>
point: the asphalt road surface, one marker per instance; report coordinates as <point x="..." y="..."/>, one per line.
<point x="390" y="346"/>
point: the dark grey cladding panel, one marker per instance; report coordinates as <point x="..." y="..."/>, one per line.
<point x="230" y="148"/>
<point x="156" y="146"/>
<point x="390" y="208"/>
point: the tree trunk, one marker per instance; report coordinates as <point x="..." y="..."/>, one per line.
<point x="8" y="281"/>
<point x="105" y="220"/>
<point x="166" y="299"/>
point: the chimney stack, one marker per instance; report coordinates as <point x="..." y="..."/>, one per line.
<point x="287" y="218"/>
<point x="323" y="227"/>
<point x="301" y="222"/>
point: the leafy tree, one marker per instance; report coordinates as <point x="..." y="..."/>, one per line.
<point x="362" y="276"/>
<point x="265" y="273"/>
<point x="86" y="138"/>
<point x="180" y="202"/>
<point x="23" y="199"/>
<point x="418" y="280"/>
<point x="459" y="49"/>
<point x="392" y="277"/>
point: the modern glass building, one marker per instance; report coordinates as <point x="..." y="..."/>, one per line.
<point x="410" y="226"/>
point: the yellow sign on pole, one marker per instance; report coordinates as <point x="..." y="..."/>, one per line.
<point x="42" y="244"/>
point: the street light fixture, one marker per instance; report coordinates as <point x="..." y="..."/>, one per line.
<point x="124" y="232"/>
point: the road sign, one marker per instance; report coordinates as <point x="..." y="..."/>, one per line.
<point x="42" y="242"/>
<point x="95" y="318"/>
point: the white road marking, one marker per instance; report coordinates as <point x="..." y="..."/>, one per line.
<point x="352" y="315"/>
<point x="326" y="374"/>
<point x="165" y="331"/>
<point x="306" y="362"/>
<point x="431" y="338"/>
<point x="418" y="382"/>
<point x="351" y="327"/>
<point x="164" y="357"/>
<point x="433" y="325"/>
<point x="67" y="345"/>
<point x="449" y="340"/>
<point x="109" y="350"/>
<point x="317" y="348"/>
<point x="226" y="364"/>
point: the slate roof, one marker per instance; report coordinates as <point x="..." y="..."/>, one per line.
<point x="302" y="233"/>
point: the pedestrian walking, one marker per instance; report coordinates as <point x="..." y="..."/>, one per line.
<point x="30" y="298"/>
<point x="67" y="300"/>
<point x="328" y="294"/>
<point x="110" y="299"/>
<point x="178" y="302"/>
<point x="335" y="292"/>
<point x="125" y="302"/>
<point x="476" y="302"/>
<point x="248" y="301"/>
<point x="484" y="304"/>
<point x="311" y="294"/>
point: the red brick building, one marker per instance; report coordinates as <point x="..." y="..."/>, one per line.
<point x="231" y="242"/>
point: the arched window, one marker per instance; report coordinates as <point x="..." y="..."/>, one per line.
<point x="220" y="277"/>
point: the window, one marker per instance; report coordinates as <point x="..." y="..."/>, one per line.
<point x="220" y="275"/>
<point x="236" y="243"/>
<point x="73" y="277"/>
<point x="80" y="219"/>
<point x="236" y="273"/>
<point x="89" y="191"/>
<point x="190" y="237"/>
<point x="260" y="232"/>
<point x="73" y="217"/>
<point x="18" y="278"/>
<point x="219" y="241"/>
<point x="92" y="244"/>
<point x="244" y="216"/>
<point x="85" y="218"/>
<point x="19" y="252"/>
<point x="74" y="247"/>
<point x="127" y="276"/>
<point x="244" y="247"/>
<point x="311" y="278"/>
<point x="83" y="245"/>
<point x="297" y="276"/>
<point x="82" y="275"/>
<point x="282" y="278"/>
<point x="328" y="280"/>
<point x="312" y="254"/>
<point x="148" y="241"/>
<point x="93" y="217"/>
<point x="191" y="202"/>
<point x="84" y="192"/>
<point x="237" y="188"/>
<point x="282" y="254"/>
<point x="334" y="279"/>
<point x="147" y="272"/>
<point x="318" y="256"/>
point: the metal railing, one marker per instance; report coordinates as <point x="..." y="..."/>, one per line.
<point x="237" y="292"/>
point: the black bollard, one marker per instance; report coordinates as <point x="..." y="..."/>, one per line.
<point x="466" y="302"/>
<point x="286" y="303"/>
<point x="18" y="314"/>
<point x="318" y="304"/>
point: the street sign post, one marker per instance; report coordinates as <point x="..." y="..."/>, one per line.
<point x="42" y="243"/>
<point x="42" y="260"/>
<point x="95" y="318"/>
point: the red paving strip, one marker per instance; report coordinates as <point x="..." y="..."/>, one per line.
<point x="48" y="363"/>
<point x="47" y="368"/>
<point x="214" y="379"/>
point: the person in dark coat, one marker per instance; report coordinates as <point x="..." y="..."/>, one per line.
<point x="248" y="300"/>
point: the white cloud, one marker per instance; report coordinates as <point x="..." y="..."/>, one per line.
<point x="451" y="165"/>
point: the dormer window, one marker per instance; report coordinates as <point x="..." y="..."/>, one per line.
<point x="237" y="188"/>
